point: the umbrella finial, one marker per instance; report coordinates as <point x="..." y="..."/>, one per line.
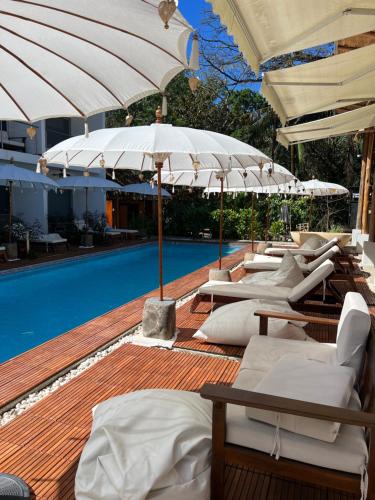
<point x="159" y="115"/>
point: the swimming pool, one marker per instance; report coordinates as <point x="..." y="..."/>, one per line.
<point x="37" y="305"/>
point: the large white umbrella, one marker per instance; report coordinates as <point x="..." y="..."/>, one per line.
<point x="312" y="188"/>
<point x="152" y="148"/>
<point x="264" y="29"/>
<point x="12" y="176"/>
<point x="77" y="58"/>
<point x="271" y="174"/>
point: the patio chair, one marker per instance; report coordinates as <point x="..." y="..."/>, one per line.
<point x="268" y="263"/>
<point x="51" y="240"/>
<point x="308" y="251"/>
<point x="328" y="445"/>
<point x="226" y="292"/>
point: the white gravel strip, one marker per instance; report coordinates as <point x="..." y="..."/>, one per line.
<point x="132" y="336"/>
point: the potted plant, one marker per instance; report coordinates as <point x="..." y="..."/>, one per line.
<point x="16" y="232"/>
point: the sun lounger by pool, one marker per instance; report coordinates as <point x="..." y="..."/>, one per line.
<point x="51" y="240"/>
<point x="126" y="233"/>
<point x="269" y="263"/>
<point x="227" y="292"/>
<point x="305" y="250"/>
<point x="290" y="412"/>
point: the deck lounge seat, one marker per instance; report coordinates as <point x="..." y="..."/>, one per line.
<point x="307" y="249"/>
<point x="126" y="233"/>
<point x="51" y="240"/>
<point x="250" y="441"/>
<point x="217" y="292"/>
<point x="271" y="263"/>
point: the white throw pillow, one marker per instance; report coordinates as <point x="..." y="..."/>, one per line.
<point x="299" y="378"/>
<point x="312" y="243"/>
<point x="352" y="331"/>
<point x="235" y="324"/>
<point x="288" y="274"/>
<point x="300" y="259"/>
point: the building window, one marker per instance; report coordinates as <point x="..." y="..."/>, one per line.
<point x="57" y="130"/>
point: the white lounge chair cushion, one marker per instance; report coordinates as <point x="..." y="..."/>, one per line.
<point x="287" y="274"/>
<point x="303" y="251"/>
<point x="52" y="238"/>
<point x="347" y="453"/>
<point x="352" y="331"/>
<point x="235" y="324"/>
<point x="312" y="243"/>
<point x="310" y="282"/>
<point x="296" y="377"/>
<point x="264" y="352"/>
<point x="269" y="263"/>
<point x="243" y="291"/>
<point x="148" y="444"/>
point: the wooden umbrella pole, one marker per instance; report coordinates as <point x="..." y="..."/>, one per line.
<point x="310" y="212"/>
<point x="86" y="214"/>
<point x="367" y="183"/>
<point x="10" y="211"/>
<point x="252" y="221"/>
<point x="158" y="167"/>
<point x="267" y="219"/>
<point x="221" y="221"/>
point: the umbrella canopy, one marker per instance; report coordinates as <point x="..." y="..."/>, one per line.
<point x="264" y="28"/>
<point x="241" y="180"/>
<point x="88" y="182"/>
<point x="305" y="188"/>
<point x="144" y="189"/>
<point x="341" y="124"/>
<point x="65" y="53"/>
<point x="322" y="85"/>
<point x="320" y="188"/>
<point x="23" y="178"/>
<point x="137" y="148"/>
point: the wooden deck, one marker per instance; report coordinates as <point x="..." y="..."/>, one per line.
<point x="43" y="445"/>
<point x="36" y="367"/>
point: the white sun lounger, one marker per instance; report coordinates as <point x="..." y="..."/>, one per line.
<point x="306" y="252"/>
<point x="268" y="263"/>
<point x="227" y="292"/>
<point x="51" y="240"/>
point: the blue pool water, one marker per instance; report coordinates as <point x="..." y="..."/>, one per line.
<point x="38" y="305"/>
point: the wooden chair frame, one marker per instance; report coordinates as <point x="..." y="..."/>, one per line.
<point x="224" y="452"/>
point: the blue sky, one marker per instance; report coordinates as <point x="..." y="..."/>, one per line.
<point x="193" y="10"/>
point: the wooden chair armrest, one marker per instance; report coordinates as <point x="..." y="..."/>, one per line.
<point x="227" y="395"/>
<point x="296" y="317"/>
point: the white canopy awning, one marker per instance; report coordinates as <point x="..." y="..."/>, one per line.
<point x="78" y="58"/>
<point x="266" y="28"/>
<point x="342" y="124"/>
<point x="330" y="83"/>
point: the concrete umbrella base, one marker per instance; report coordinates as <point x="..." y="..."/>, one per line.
<point x="159" y="318"/>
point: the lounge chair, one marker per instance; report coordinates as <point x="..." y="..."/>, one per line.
<point x="241" y="436"/>
<point x="126" y="233"/>
<point x="227" y="292"/>
<point x="305" y="250"/>
<point x="51" y="240"/>
<point x="268" y="263"/>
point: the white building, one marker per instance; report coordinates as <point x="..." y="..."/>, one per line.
<point x="34" y="204"/>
